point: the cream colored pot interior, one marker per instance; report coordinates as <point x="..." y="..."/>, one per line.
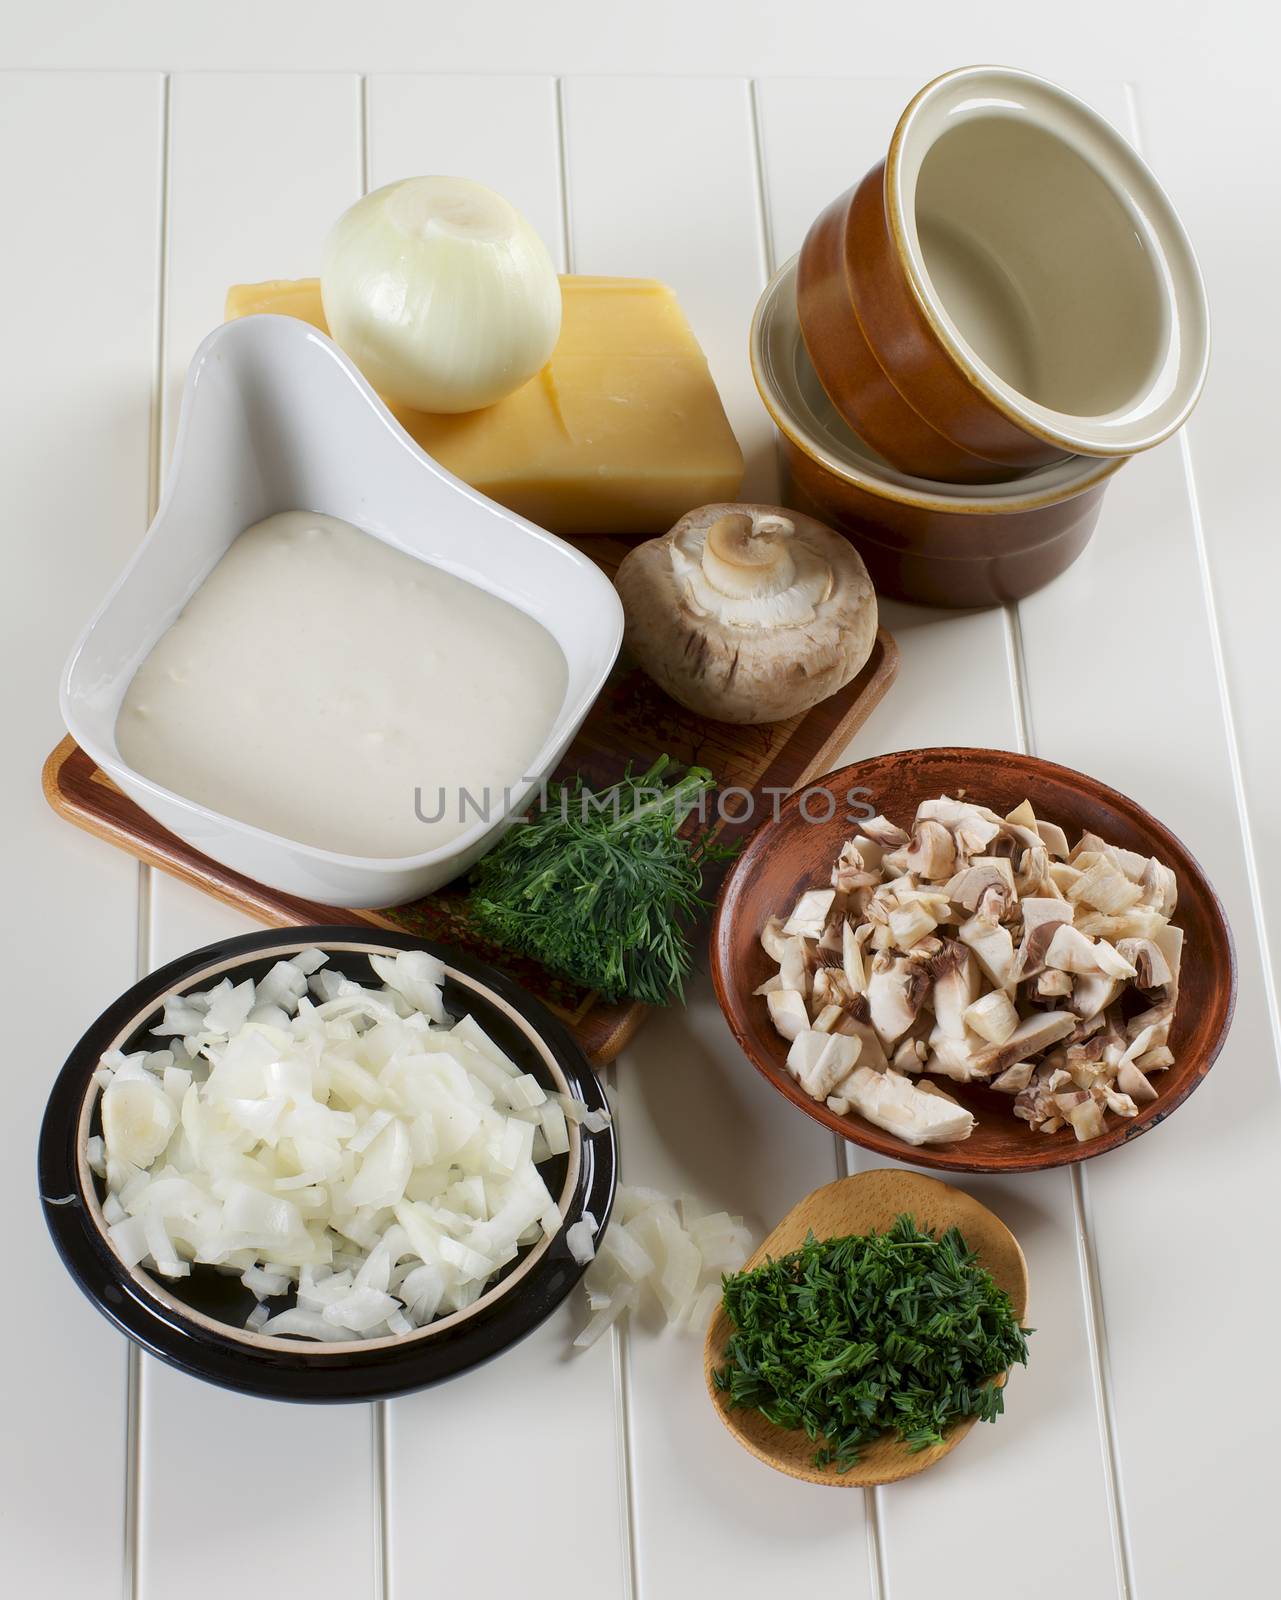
<point x="1048" y="260"/>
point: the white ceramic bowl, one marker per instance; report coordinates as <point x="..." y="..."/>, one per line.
<point x="275" y="418"/>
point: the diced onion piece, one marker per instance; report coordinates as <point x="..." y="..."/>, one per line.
<point x="581" y="1239"/>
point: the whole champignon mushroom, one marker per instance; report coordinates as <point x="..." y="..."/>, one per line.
<point x="748" y="613"/>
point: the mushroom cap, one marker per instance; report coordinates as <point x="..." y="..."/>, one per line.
<point x="741" y="671"/>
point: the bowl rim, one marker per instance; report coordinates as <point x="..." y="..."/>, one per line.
<point x="261" y="328"/>
<point x="1075" y="124"/>
<point x="920" y="493"/>
<point x="1050" y="1152"/>
<point x="143" y="1307"/>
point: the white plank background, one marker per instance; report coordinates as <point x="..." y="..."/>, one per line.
<point x="1112" y="1473"/>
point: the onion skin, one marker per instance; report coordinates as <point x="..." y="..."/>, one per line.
<point x="441" y="292"/>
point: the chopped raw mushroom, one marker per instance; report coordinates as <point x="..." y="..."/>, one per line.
<point x="993" y="1016"/>
<point x="885" y="833"/>
<point x="983" y="949"/>
<point x="1151" y="969"/>
<point x="973" y="884"/>
<point x="932" y="852"/>
<point x="793" y="966"/>
<point x="909" y="924"/>
<point x="1071" y="951"/>
<point x="993" y="945"/>
<point x="810" y="913"/>
<point x="819" y="1061"/>
<point x="1013" y="1078"/>
<point x="896" y="991"/>
<point x="787" y="1012"/>
<point x="917" y="1113"/>
<point x="852" y="961"/>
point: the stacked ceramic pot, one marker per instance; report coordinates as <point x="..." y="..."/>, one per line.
<point x="977" y="335"/>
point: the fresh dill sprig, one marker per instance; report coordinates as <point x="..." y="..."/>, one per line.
<point x="855" y="1337"/>
<point x="600" y="885"/>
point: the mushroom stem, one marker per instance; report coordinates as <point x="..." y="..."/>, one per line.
<point x="746" y="559"/>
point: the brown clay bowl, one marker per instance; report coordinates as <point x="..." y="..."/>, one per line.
<point x="1010" y="286"/>
<point x="789" y="853"/>
<point x="959" y="545"/>
<point x="864" y="1203"/>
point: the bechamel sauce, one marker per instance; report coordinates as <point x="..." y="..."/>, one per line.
<point x="318" y="677"/>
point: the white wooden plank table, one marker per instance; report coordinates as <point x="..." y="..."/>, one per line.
<point x="694" y="145"/>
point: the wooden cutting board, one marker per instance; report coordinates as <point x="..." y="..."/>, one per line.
<point x="632" y="722"/>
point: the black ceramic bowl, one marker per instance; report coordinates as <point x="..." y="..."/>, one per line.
<point x="197" y="1323"/>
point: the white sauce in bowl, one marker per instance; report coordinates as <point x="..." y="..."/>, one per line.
<point x="326" y="687"/>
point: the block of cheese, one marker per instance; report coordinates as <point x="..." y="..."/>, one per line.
<point x="621" y="432"/>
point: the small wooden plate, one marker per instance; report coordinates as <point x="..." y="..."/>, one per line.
<point x="867" y="1202"/>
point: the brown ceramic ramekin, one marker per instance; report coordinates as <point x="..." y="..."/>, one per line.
<point x="937" y="544"/>
<point x="1008" y="288"/>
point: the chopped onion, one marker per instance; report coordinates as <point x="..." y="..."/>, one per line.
<point x="349" y="1145"/>
<point x="581" y="1239"/>
<point x="652" y="1244"/>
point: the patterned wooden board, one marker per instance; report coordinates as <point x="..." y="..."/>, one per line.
<point x="632" y="722"/>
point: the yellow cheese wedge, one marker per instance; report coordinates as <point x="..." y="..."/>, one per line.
<point x="621" y="432"/>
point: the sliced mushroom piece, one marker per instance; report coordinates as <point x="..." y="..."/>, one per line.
<point x="773" y="939"/>
<point x="896" y="991"/>
<point x="1086" y="1120"/>
<point x="993" y="944"/>
<point x="809" y="914"/>
<point x="1131" y="1080"/>
<point x="973" y="827"/>
<point x="1052" y="985"/>
<point x="911" y="923"/>
<point x="916" y="1113"/>
<point x="1062" y="876"/>
<point x="829" y="988"/>
<point x="992" y="1016"/>
<point x="968" y="887"/>
<point x="828" y="1017"/>
<point x="1151" y="969"/>
<point x="872" y="1052"/>
<point x="1071" y="951"/>
<point x="1139" y="922"/>
<point x="1159" y="887"/>
<point x="1053" y="838"/>
<point x="1156" y="1059"/>
<point x="1121" y="1104"/>
<point x="819" y="1061"/>
<point x="1106" y="888"/>
<point x="1169" y="941"/>
<point x="852" y="962"/>
<point x="956" y="987"/>
<point x="932" y="851"/>
<point x="1013" y="1079"/>
<point x="885" y="833"/>
<point x="1157" y="1018"/>
<point x="794" y="966"/>
<point x="1033" y="1034"/>
<point x="787" y="1012"/>
<point x="1128" y="862"/>
<point x="1041" y="916"/>
<point x="852" y="871"/>
<point x="1091" y="993"/>
<point x="770" y="984"/>
<point x="910" y="1055"/>
<point x="959" y="1058"/>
